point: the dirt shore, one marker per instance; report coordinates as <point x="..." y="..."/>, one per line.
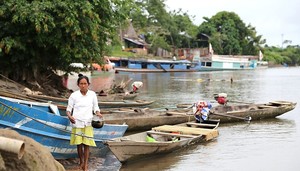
<point x="36" y="156"/>
<point x="109" y="163"/>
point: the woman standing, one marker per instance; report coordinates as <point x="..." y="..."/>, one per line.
<point x="81" y="106"/>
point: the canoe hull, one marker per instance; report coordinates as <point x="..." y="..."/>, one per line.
<point x="51" y="130"/>
<point x="168" y="138"/>
<point x="131" y="151"/>
<point x="102" y="104"/>
<point x="255" y="111"/>
<point x="145" y="119"/>
<point x="118" y="70"/>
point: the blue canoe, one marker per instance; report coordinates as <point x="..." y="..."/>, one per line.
<point x="51" y="130"/>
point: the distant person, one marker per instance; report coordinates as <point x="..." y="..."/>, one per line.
<point x="135" y="86"/>
<point x="201" y="111"/>
<point x="81" y="106"/>
<point x="221" y="98"/>
<point x="174" y="58"/>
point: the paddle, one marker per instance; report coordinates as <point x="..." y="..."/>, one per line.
<point x="247" y="118"/>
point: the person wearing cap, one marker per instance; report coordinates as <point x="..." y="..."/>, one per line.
<point x="81" y="106"/>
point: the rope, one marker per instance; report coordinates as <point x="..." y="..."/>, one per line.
<point x="83" y="135"/>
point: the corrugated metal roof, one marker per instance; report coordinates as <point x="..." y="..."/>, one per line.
<point x="134" y="41"/>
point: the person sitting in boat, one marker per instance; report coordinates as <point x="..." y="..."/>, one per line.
<point x="135" y="86"/>
<point x="201" y="111"/>
<point x="221" y="98"/>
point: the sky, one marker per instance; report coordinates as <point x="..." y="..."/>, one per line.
<point x="275" y="20"/>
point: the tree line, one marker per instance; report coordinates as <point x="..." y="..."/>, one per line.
<point x="38" y="36"/>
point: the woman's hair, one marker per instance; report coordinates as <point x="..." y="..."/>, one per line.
<point x="80" y="77"/>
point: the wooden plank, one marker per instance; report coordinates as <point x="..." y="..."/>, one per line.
<point x="171" y="134"/>
<point x="211" y="135"/>
<point x="201" y="124"/>
<point x="184" y="130"/>
<point x="280" y="102"/>
<point x="261" y="107"/>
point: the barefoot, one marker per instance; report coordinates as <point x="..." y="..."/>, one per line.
<point x="82" y="166"/>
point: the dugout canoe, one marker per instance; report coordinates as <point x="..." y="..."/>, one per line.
<point x="161" y="140"/>
<point x="102" y="104"/>
<point x="139" y="119"/>
<point x="234" y="113"/>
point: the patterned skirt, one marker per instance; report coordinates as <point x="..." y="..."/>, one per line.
<point x="83" y="136"/>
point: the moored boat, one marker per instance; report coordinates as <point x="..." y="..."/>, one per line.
<point x="52" y="131"/>
<point x="234" y="113"/>
<point x="162" y="139"/>
<point x="215" y="62"/>
<point x="117" y="96"/>
<point x="143" y="65"/>
<point x="107" y="97"/>
<point x="227" y="62"/>
<point x="143" y="119"/>
<point x="239" y="112"/>
<point x="102" y="104"/>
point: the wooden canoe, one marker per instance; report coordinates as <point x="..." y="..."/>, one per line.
<point x="124" y="103"/>
<point x="255" y="111"/>
<point x="118" y="96"/>
<point x="102" y="104"/>
<point x="108" y="97"/>
<point x="139" y="119"/>
<point x="161" y="140"/>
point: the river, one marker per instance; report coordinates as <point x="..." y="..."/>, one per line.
<point x="261" y="145"/>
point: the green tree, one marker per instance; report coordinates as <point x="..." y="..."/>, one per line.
<point x="228" y="34"/>
<point x="44" y="35"/>
<point x="163" y="29"/>
<point x="289" y="55"/>
<point x="184" y="31"/>
<point x="151" y="19"/>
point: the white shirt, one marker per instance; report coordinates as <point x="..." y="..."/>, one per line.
<point x="83" y="107"/>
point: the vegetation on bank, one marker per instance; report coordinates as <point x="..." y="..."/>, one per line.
<point x="42" y="36"/>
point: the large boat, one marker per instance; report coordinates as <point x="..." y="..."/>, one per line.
<point x="51" y="130"/>
<point x="161" y="140"/>
<point x="147" y="65"/>
<point x="227" y="62"/>
<point x="215" y="62"/>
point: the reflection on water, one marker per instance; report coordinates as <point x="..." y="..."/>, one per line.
<point x="261" y="145"/>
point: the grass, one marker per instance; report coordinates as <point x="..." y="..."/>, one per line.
<point x="117" y="51"/>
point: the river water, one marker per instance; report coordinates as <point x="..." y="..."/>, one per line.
<point x="261" y="145"/>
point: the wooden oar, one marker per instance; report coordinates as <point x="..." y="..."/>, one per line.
<point x="247" y="118"/>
